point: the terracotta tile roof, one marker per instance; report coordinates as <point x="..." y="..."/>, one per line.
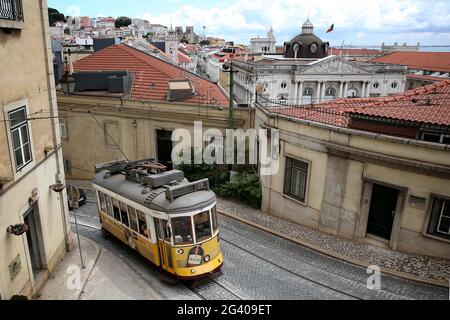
<point x="433" y="61"/>
<point x="429" y="104"/>
<point x="355" y="52"/>
<point x="183" y="58"/>
<point x="151" y="75"/>
<point x="421" y="77"/>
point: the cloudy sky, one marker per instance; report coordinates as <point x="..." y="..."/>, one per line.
<point x="356" y="22"/>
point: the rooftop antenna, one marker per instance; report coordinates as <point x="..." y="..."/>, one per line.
<point x="309" y="9"/>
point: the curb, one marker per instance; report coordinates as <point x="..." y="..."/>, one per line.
<point x="334" y="254"/>
<point x="98" y="252"/>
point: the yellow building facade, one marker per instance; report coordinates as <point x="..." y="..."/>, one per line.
<point x="30" y="154"/>
<point x="348" y="175"/>
<point x="96" y="126"/>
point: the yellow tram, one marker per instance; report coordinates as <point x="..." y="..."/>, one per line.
<point x="168" y="220"/>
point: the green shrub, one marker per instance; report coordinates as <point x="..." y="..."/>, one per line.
<point x="245" y="186"/>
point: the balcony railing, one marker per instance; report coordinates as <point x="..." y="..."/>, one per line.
<point x="11" y="10"/>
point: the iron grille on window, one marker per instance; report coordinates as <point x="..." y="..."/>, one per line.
<point x="11" y="10"/>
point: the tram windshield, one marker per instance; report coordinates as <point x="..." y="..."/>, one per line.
<point x="182" y="230"/>
<point x="202" y="224"/>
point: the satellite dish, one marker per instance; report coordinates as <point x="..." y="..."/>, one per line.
<point x="259" y="87"/>
<point x="74" y="194"/>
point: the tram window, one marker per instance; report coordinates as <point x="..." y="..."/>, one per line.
<point x="143" y="228"/>
<point x="116" y="210"/>
<point x="101" y="198"/>
<point x="124" y="213"/>
<point x="202" y="226"/>
<point x="215" y="223"/>
<point x="109" y="209"/>
<point x="133" y="219"/>
<point x="182" y="230"/>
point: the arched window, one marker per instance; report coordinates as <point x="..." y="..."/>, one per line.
<point x="352" y="93"/>
<point x="394" y="85"/>
<point x="330" y="94"/>
<point x="376" y="85"/>
<point x="283" y="85"/>
<point x="307" y="96"/>
<point x="296" y="48"/>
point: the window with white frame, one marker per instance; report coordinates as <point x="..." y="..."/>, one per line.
<point x="67" y="166"/>
<point x="63" y="127"/>
<point x="436" y="137"/>
<point x="330" y="94"/>
<point x="20" y="137"/>
<point x="295" y="179"/>
<point x="439" y="223"/>
<point x="307" y="96"/>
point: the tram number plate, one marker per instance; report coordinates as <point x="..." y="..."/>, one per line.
<point x="195" y="259"/>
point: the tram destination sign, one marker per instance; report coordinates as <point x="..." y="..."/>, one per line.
<point x="175" y="192"/>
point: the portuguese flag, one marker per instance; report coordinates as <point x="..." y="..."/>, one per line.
<point x="331" y="28"/>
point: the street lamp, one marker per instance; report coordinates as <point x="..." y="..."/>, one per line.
<point x="228" y="67"/>
<point x="68" y="81"/>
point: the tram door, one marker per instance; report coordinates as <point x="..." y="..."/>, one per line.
<point x="164" y="244"/>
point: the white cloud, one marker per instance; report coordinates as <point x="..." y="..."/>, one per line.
<point x="245" y="18"/>
<point x="73" y="10"/>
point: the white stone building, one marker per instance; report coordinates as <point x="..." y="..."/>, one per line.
<point x="306" y="74"/>
<point x="264" y="45"/>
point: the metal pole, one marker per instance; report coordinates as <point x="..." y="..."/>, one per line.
<point x="78" y="236"/>
<point x="230" y="107"/>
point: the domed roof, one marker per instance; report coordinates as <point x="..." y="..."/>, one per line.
<point x="306" y="39"/>
<point x="306" y="44"/>
<point x="308" y="24"/>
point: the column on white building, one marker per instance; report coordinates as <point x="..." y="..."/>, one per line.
<point x="318" y="90"/>
<point x="345" y="89"/>
<point x="295" y="92"/>
<point x="368" y="89"/>
<point x="341" y="89"/>
<point x="300" y="100"/>
<point x="322" y="95"/>
<point x="363" y="90"/>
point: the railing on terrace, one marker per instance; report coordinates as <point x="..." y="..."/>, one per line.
<point x="346" y="115"/>
<point x="309" y="111"/>
<point x="252" y="66"/>
<point x="11" y="10"/>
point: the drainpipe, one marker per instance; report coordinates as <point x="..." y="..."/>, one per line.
<point x="53" y="114"/>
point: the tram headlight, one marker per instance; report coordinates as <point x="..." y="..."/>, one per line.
<point x="180" y="251"/>
<point x="206" y="258"/>
<point x="192" y="270"/>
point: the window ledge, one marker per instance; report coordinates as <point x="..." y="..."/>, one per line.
<point x="294" y="199"/>
<point x="432" y="236"/>
<point x="11" y="24"/>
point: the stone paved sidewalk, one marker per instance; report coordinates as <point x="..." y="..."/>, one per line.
<point x="105" y="277"/>
<point x="415" y="267"/>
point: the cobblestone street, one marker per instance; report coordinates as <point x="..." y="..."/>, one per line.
<point x="260" y="265"/>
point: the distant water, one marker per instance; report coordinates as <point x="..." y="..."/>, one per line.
<point x="442" y="48"/>
<point x="435" y="49"/>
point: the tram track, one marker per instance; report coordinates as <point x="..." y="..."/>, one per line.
<point x="205" y="289"/>
<point x="278" y="265"/>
